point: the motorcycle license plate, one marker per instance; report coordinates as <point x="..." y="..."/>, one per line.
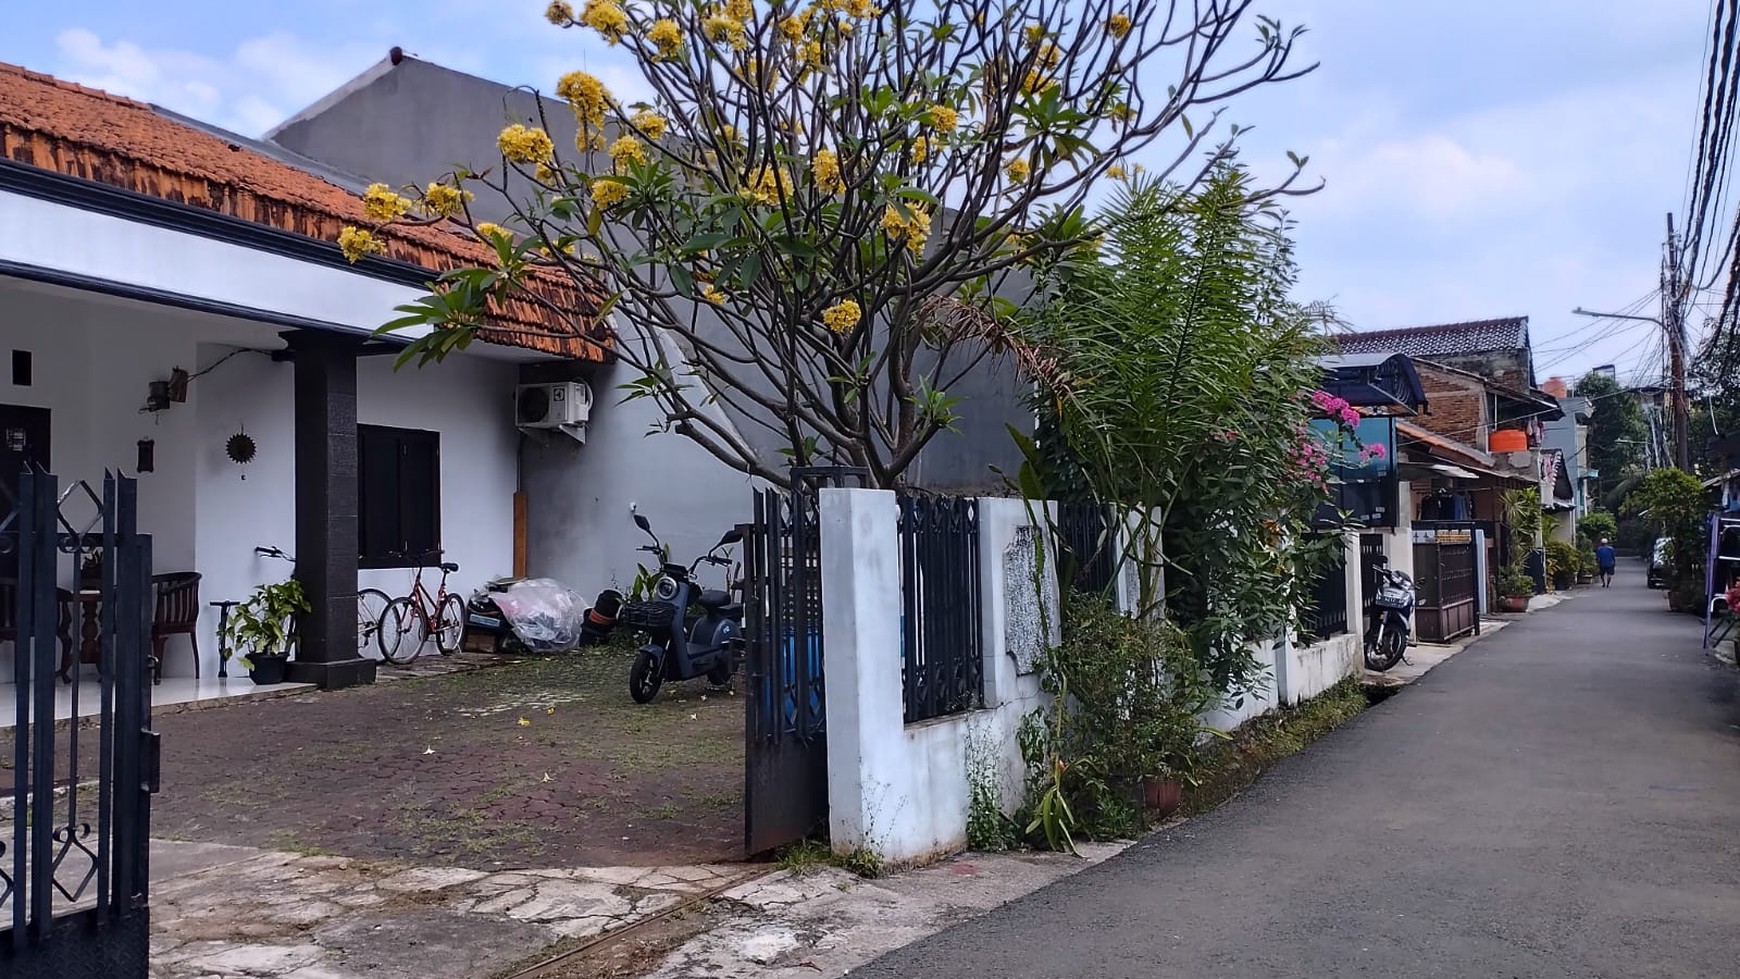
<point x="484" y="621"/>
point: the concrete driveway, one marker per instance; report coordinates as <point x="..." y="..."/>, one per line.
<point x="1562" y="799"/>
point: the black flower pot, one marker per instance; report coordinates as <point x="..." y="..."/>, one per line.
<point x="267" y="670"/>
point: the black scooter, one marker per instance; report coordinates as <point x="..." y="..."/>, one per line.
<point x="676" y="650"/>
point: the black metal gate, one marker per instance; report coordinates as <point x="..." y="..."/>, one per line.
<point x="74" y="859"/>
<point x="786" y="749"/>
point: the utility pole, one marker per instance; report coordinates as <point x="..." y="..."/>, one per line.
<point x="1673" y="321"/>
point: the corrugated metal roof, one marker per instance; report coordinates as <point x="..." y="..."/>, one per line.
<point x="1510" y="333"/>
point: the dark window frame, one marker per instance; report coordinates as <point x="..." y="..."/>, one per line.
<point x="375" y="443"/>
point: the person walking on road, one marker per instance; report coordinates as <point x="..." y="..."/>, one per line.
<point x="1606" y="560"/>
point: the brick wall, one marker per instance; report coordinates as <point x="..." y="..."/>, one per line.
<point x="1456" y="406"/>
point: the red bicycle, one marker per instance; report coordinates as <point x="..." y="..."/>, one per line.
<point x="407" y="622"/>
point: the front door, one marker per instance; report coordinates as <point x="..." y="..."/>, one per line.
<point x="23" y="439"/>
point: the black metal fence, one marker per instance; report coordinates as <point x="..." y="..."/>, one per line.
<point x="74" y="859"/>
<point x="1087" y="555"/>
<point x="942" y="656"/>
<point x="1326" y="615"/>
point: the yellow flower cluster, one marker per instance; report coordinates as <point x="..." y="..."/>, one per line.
<point x="650" y="123"/>
<point x="525" y="144"/>
<point x="742" y="10"/>
<point x="842" y="316"/>
<point x="559" y="13"/>
<point x="666" y="37"/>
<point x="609" y="193"/>
<point x="381" y="203"/>
<point x="713" y="294"/>
<point x="590" y="100"/>
<point x="356" y="243"/>
<point x="605" y="17"/>
<point x="944" y="118"/>
<point x="792" y="28"/>
<point x="768" y="185"/>
<point x="1117" y="172"/>
<point x="1018" y="170"/>
<point x="444" y="200"/>
<point x="912" y="231"/>
<point x="811" y="55"/>
<point x="851" y="8"/>
<point x="1034" y="33"/>
<point x="825" y="169"/>
<point x="489" y="231"/>
<point x="627" y="150"/>
<point x="1118" y="25"/>
<point x="724" y="29"/>
<point x="546" y="174"/>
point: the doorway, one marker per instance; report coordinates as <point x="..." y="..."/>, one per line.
<point x="24" y="438"/>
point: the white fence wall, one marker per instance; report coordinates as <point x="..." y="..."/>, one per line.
<point x="904" y="791"/>
<point x="1304" y="671"/>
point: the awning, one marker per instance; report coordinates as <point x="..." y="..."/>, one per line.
<point x="1456" y="471"/>
<point x="1374" y="380"/>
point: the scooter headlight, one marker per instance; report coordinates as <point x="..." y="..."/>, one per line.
<point x="665" y="589"/>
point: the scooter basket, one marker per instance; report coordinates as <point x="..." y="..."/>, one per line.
<point x="647" y="615"/>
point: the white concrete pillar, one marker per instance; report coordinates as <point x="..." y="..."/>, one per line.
<point x="861" y="620"/>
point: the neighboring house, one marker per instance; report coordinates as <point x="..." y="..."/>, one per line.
<point x="1482" y="434"/>
<point x="1497" y="349"/>
<point x="137" y="247"/>
<point x="405" y="121"/>
<point x="1569" y="435"/>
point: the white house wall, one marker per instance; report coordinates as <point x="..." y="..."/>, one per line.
<point x="579" y="496"/>
<point x="93" y="357"/>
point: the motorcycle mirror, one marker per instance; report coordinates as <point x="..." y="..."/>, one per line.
<point x="643" y="523"/>
<point x="732" y="536"/>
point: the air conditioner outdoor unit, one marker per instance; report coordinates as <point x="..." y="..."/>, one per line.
<point x="562" y="406"/>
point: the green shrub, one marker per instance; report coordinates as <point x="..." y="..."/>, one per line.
<point x="1598" y="525"/>
<point x="1128" y="695"/>
<point x="1563" y="563"/>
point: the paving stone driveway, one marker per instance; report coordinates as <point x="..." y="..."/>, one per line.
<point x="260" y="914"/>
<point x="536" y="764"/>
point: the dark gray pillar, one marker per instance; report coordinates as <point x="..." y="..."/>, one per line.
<point x="326" y="509"/>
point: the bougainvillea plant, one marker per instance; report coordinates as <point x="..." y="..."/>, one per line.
<point x="824" y="202"/>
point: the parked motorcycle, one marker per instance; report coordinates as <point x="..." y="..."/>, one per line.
<point x="712" y="646"/>
<point x="1392" y="611"/>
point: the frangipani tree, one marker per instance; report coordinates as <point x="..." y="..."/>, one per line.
<point x="831" y="204"/>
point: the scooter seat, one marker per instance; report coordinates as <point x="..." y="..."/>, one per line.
<point x="714" y="598"/>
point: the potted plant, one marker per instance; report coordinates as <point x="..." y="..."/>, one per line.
<point x="1515" y="588"/>
<point x="263" y="629"/>
<point x="1586" y="564"/>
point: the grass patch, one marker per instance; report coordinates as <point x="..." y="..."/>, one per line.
<point x="806" y="856"/>
<point x="1268" y="739"/>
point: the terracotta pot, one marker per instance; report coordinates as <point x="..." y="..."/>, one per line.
<point x="1513" y="603"/>
<point x="1162" y="796"/>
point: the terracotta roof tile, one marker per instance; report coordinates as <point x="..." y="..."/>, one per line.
<point x="92" y="135"/>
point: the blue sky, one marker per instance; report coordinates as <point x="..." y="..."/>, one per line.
<point x="1487" y="158"/>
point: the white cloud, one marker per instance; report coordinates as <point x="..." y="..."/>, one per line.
<point x="257" y="85"/>
<point x="1434" y="177"/>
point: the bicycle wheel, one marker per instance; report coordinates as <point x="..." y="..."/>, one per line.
<point x="370" y="603"/>
<point x="450" y="625"/>
<point x="403" y="631"/>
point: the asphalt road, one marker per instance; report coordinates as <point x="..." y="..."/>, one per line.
<point x="1561" y="799"/>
